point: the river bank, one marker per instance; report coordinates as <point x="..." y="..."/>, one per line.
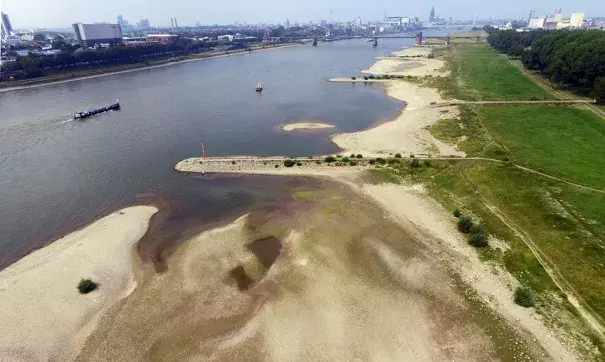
<point x="43" y="316"/>
<point x="101" y="72"/>
<point x="409" y="205"/>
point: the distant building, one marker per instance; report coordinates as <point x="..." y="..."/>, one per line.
<point x="100" y="33"/>
<point x="162" y="38"/>
<point x="120" y="20"/>
<point x="535" y="23"/>
<point x="576" y="20"/>
<point x="144" y="24"/>
<point x="432" y="14"/>
<point x="6" y="27"/>
<point x="227" y="37"/>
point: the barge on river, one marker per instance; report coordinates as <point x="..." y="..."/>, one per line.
<point x="86" y="114"/>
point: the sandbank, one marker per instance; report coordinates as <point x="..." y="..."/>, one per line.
<point x="43" y="316"/>
<point x="305" y="125"/>
<point x="402" y="64"/>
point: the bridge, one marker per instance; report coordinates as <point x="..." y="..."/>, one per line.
<point x="419" y="37"/>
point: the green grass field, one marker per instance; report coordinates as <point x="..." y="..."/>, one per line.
<point x="479" y="73"/>
<point x="562" y="141"/>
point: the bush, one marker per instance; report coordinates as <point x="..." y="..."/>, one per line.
<point x="329" y="159"/>
<point x="478" y="239"/>
<point x="365" y="78"/>
<point x="370" y="76"/>
<point x="353" y="78"/>
<point x="415" y="163"/>
<point x="352" y="155"/>
<point x="465" y="224"/>
<point x="318" y="162"/>
<point x="457" y="213"/>
<point x="345" y="159"/>
<point x="298" y="163"/>
<point x="392" y="161"/>
<point x="233" y="162"/>
<point x="359" y="155"/>
<point x="381" y="160"/>
<point x="398" y="155"/>
<point x="289" y="163"/>
<point x="276" y="166"/>
<point x="86" y="286"/>
<point x="353" y="163"/>
<point x="372" y="161"/>
<point x="524" y="297"/>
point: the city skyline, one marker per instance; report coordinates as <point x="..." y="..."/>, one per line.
<point x="188" y="14"/>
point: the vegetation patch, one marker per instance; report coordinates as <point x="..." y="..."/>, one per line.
<point x="289" y="163"/>
<point x="524" y="297"/>
<point x="86" y="286"/>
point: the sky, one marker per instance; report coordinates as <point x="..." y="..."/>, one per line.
<point x="62" y="13"/>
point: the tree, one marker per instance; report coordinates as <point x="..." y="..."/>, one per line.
<point x="599" y="90"/>
<point x="524" y="297"/>
<point x="516" y="51"/>
<point x="465" y="224"/>
<point x="39" y="37"/>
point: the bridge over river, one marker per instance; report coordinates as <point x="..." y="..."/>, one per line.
<point x="419" y="37"/>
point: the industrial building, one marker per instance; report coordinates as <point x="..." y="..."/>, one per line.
<point x="576" y="20"/>
<point x="89" y="35"/>
<point x="162" y="38"/>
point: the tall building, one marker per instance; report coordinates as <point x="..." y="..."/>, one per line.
<point x="100" y="33"/>
<point x="576" y="20"/>
<point x="6" y="27"/>
<point x="432" y="14"/>
<point x="120" y="20"/>
<point x="144" y="24"/>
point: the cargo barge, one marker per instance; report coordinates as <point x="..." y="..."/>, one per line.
<point x="86" y="114"/>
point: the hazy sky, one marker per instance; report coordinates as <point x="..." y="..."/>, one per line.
<point x="62" y="13"/>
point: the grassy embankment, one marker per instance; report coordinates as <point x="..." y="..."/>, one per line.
<point x="544" y="222"/>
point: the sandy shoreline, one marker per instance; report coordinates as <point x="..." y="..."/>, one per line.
<point x="168" y="63"/>
<point x="305" y="126"/>
<point x="43" y="316"/>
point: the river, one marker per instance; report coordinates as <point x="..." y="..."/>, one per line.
<point x="58" y="174"/>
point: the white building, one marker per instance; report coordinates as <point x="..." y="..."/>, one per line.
<point x="144" y="24"/>
<point x="576" y="20"/>
<point x="535" y="23"/>
<point x="99" y="33"/>
<point x="226" y="37"/>
<point x="6" y="29"/>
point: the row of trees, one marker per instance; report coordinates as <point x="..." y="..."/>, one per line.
<point x="34" y="65"/>
<point x="571" y="57"/>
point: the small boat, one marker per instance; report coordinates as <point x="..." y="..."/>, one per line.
<point x="86" y="114"/>
<point x="259" y="87"/>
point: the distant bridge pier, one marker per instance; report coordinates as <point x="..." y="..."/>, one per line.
<point x="418" y="38"/>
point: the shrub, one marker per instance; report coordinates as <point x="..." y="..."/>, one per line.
<point x="398" y="155"/>
<point x="353" y="163"/>
<point x="264" y="162"/>
<point x="381" y="160"/>
<point x="233" y="162"/>
<point x="457" y="213"/>
<point x="298" y="163"/>
<point x="345" y="159"/>
<point x="392" y="161"/>
<point x="415" y="163"/>
<point x="318" y="162"/>
<point x="359" y="155"/>
<point x="524" y="297"/>
<point x="352" y="155"/>
<point x="370" y="76"/>
<point x="276" y="166"/>
<point x="86" y="286"/>
<point x="372" y="161"/>
<point x="465" y="224"/>
<point x="478" y="239"/>
<point x="353" y="78"/>
<point x="289" y="163"/>
<point x="365" y="78"/>
<point x="427" y="163"/>
<point x="329" y="159"/>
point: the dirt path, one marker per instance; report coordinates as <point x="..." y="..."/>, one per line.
<point x="559" y="101"/>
